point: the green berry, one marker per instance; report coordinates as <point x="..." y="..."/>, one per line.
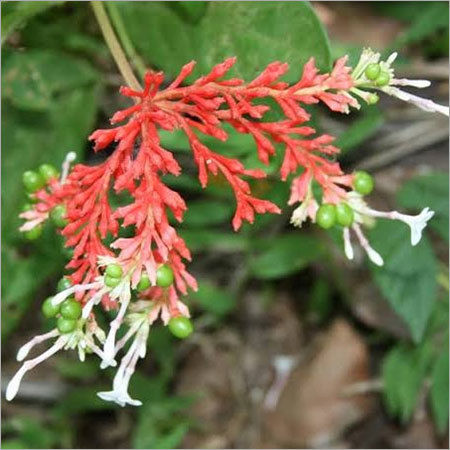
<point x="372" y="99"/>
<point x="114" y="270"/>
<point x="344" y="214"/>
<point x="63" y="284"/>
<point x="363" y="182"/>
<point x="111" y="281"/>
<point x="58" y="214"/>
<point x="372" y="71"/>
<point x="326" y="215"/>
<point x="26" y="207"/>
<point x="383" y="79"/>
<point x="181" y="327"/>
<point x="32" y="198"/>
<point x="47" y="172"/>
<point x="32" y="181"/>
<point x="34" y="233"/>
<point x="144" y="283"/>
<point x="48" y="309"/>
<point x="66" y="325"/>
<point x="71" y="309"/>
<point x="164" y="276"/>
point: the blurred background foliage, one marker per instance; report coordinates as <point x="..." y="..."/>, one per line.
<point x="59" y="83"/>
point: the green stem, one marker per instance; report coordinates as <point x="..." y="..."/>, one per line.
<point x="114" y="45"/>
<point x="121" y="31"/>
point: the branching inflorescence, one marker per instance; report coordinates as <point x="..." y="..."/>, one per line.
<point x="151" y="262"/>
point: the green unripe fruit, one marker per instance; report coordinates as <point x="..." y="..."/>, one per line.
<point x="58" y="214"/>
<point x="363" y="182"/>
<point x="326" y="215"/>
<point x="31" y="198"/>
<point x="344" y="214"/>
<point x="48" y="309"/>
<point x="114" y="270"/>
<point x="63" y="284"/>
<point x="181" y="327"/>
<point x="372" y="99"/>
<point x="32" y="181"/>
<point x="71" y="309"/>
<point x="144" y="283"/>
<point x="111" y="281"/>
<point x="383" y="79"/>
<point x="164" y="276"/>
<point x="66" y="325"/>
<point x="47" y="172"/>
<point x="373" y="71"/>
<point x="34" y="233"/>
<point x="26" y="207"/>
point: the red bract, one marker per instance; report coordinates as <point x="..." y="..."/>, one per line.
<point x="201" y="108"/>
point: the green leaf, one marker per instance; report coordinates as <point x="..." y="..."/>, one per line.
<point x="203" y="213"/>
<point x="190" y="10"/>
<point x="403" y="372"/>
<point x="76" y="369"/>
<point x="408" y="277"/>
<point x="433" y="17"/>
<point x="285" y="255"/>
<point x="214" y="241"/>
<point x="213" y="299"/>
<point x="32" y="433"/>
<point x="83" y="399"/>
<point x="428" y="190"/>
<point x="363" y="127"/>
<point x="34" y="138"/>
<point x="439" y="396"/>
<point x="33" y="79"/>
<point x="162" y="424"/>
<point x="16" y="14"/>
<point x="257" y="35"/>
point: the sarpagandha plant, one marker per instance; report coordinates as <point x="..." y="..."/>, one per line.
<point x="151" y="262"/>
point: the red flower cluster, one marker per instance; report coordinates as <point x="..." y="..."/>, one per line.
<point x="200" y="108"/>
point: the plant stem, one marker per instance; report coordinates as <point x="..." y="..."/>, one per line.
<point x="114" y="45"/>
<point x="121" y="31"/>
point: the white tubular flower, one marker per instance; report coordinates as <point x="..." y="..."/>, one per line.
<point x="122" y="292"/>
<point x="373" y="255"/>
<point x="308" y="208"/>
<point x="385" y="81"/>
<point x="422" y="103"/>
<point x="416" y="223"/>
<point x="25" y="349"/>
<point x="14" y="384"/>
<point x="119" y="393"/>
<point x="348" y="248"/>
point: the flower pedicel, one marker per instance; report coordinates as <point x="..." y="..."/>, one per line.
<point x="151" y="262"/>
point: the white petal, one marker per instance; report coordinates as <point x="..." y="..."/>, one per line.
<point x="374" y="256"/>
<point x="348" y="248"/>
<point x="406" y="82"/>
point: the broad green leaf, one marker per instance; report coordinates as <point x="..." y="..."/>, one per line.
<point x="30" y="139"/>
<point x="31" y="432"/>
<point x="213" y="299"/>
<point x="403" y="371"/>
<point x="362" y="127"/>
<point x="162" y="424"/>
<point x="16" y="14"/>
<point x="408" y="277"/>
<point x="203" y="213"/>
<point x="285" y="255"/>
<point x="428" y="190"/>
<point x="190" y="10"/>
<point x="256" y="33"/>
<point x="215" y="241"/>
<point x="83" y="399"/>
<point x="439" y="392"/>
<point x="33" y="79"/>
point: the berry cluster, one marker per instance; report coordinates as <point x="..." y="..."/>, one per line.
<point x="143" y="276"/>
